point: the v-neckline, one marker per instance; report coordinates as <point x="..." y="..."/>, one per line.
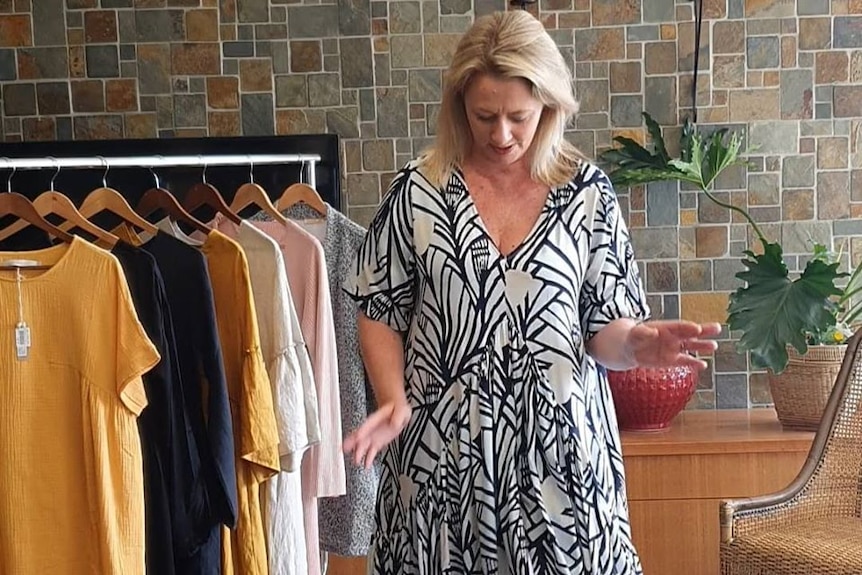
<point x="480" y="222"/>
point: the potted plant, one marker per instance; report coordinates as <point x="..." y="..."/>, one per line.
<point x="780" y="318"/>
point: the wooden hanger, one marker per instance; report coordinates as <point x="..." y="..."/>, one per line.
<point x="14" y="204"/>
<point x="251" y="194"/>
<point x="301" y="193"/>
<point x="53" y="202"/>
<point x="158" y="198"/>
<point x="204" y="194"/>
<point x="110" y="200"/>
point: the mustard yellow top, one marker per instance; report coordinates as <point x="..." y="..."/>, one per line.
<point x="71" y="481"/>
<point x="255" y="430"/>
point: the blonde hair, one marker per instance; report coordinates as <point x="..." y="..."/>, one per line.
<point x="508" y="45"/>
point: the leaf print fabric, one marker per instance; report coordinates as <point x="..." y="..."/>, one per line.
<point x="511" y="463"/>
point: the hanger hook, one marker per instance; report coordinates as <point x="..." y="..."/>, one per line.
<point x="105" y="174"/>
<point x="54" y="177"/>
<point x="302" y="169"/>
<point x="204" y="172"/>
<point x="250" y="169"/>
<point x="156" y="183"/>
<point x="9" y="178"/>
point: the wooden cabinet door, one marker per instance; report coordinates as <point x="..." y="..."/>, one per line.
<point x="676" y="537"/>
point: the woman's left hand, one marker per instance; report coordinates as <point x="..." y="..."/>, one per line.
<point x="662" y="343"/>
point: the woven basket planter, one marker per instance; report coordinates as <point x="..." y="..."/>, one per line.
<point x="801" y="391"/>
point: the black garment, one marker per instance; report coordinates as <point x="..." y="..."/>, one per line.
<point x="213" y="500"/>
<point x="167" y="443"/>
<point x="33" y="238"/>
<point x="29" y="238"/>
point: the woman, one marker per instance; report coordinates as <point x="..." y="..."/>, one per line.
<point x="495" y="277"/>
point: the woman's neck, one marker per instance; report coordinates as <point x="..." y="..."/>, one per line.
<point x="493" y="172"/>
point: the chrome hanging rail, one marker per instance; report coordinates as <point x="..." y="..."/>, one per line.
<point x="308" y="161"/>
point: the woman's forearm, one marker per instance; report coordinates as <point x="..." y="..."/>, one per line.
<point x="383" y="355"/>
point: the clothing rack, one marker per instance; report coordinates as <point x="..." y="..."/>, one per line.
<point x="199" y="160"/>
<point x="274" y="162"/>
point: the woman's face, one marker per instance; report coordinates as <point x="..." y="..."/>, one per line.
<point x="503" y="117"/>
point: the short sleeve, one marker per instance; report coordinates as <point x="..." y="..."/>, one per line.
<point x="383" y="276"/>
<point x="257" y="435"/>
<point x="612" y="287"/>
<point x="136" y="354"/>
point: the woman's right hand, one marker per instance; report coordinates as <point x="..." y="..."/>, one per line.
<point x="377" y="432"/>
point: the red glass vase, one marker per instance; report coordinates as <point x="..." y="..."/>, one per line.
<point x="647" y="399"/>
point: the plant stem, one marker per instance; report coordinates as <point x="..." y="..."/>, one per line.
<point x="739" y="210"/>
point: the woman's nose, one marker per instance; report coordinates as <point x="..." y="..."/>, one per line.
<point x="501" y="133"/>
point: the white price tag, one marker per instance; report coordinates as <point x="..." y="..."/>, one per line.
<point x="22" y="341"/>
<point x="22" y="330"/>
<point x="22" y="334"/>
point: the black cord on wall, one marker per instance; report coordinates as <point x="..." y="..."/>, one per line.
<point x="698" y="25"/>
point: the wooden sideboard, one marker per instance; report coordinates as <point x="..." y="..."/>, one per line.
<point x="677" y="478"/>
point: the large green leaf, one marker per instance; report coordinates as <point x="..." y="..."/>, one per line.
<point x="685" y="140"/>
<point x="851" y="299"/>
<point x="623" y="178"/>
<point x="637" y="165"/>
<point x="657" y="138"/>
<point x="723" y="152"/>
<point x="702" y="157"/>
<point x="772" y="310"/>
<point x="632" y="155"/>
<point x="708" y="156"/>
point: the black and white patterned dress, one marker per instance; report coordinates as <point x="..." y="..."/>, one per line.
<point x="511" y="462"/>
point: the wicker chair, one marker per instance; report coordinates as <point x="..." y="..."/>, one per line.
<point x="814" y="526"/>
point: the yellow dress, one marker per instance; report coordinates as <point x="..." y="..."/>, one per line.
<point x="71" y="481"/>
<point x="254" y="425"/>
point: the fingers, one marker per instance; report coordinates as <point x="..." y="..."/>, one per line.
<point x="370" y="456"/>
<point x="358" y="443"/>
<point x="362" y="449"/>
<point x="705" y="346"/>
<point x="376" y="432"/>
<point x="358" y="440"/>
<point x="694" y="363"/>
<point x="710" y="329"/>
<point x="685" y="329"/>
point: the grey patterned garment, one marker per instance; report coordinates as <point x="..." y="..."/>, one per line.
<point x="347" y="522"/>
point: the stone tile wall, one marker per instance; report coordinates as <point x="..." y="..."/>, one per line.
<point x="786" y="71"/>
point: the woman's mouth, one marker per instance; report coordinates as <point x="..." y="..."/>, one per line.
<point x="502" y="151"/>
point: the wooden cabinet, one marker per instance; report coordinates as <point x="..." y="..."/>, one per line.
<point x="677" y="478"/>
